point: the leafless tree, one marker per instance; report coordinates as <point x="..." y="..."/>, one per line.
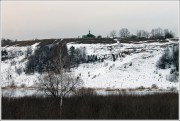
<point x="157" y="33"/>
<point x="57" y="82"/>
<point x="58" y="85"/>
<point x="142" y="33"/>
<point x="113" y="33"/>
<point x="153" y="33"/>
<point x="124" y="33"/>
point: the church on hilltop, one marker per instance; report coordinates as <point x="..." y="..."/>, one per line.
<point x="89" y="35"/>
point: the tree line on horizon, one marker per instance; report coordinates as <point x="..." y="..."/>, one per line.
<point x="156" y="33"/>
<point x="124" y="33"/>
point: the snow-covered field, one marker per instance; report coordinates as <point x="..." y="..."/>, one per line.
<point x="132" y="70"/>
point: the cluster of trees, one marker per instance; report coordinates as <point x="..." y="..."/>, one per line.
<point x="170" y="59"/>
<point x="79" y="55"/>
<point x="142" y="34"/>
<point x="156" y="33"/>
<point x="6" y="41"/>
<point x="92" y="58"/>
<point x="38" y="61"/>
<point x="168" y="34"/>
<point x="43" y="58"/>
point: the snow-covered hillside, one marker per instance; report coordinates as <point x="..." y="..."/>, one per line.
<point x="132" y="71"/>
<point x="135" y="66"/>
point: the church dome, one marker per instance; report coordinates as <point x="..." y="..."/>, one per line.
<point x="89" y="35"/>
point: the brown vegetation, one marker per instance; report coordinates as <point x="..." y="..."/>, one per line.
<point x="157" y="106"/>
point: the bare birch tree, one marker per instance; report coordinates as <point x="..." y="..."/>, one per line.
<point x="57" y="82"/>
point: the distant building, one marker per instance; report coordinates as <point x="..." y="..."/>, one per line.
<point x="89" y="35"/>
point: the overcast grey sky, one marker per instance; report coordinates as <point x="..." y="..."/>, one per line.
<point x="45" y="19"/>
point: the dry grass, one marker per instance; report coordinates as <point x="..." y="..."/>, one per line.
<point x="157" y="106"/>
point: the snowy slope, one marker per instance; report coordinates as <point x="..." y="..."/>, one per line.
<point x="121" y="74"/>
<point x="130" y="71"/>
<point x="8" y="67"/>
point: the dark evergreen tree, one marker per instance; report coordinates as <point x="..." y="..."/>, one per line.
<point x="38" y="61"/>
<point x="113" y="56"/>
<point x="168" y="34"/>
<point x="168" y="59"/>
<point x="4" y="55"/>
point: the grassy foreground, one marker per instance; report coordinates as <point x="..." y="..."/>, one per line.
<point x="157" y="106"/>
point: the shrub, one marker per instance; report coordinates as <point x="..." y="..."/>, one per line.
<point x="126" y="52"/>
<point x="99" y="36"/>
<point x="12" y="84"/>
<point x="13" y="62"/>
<point x="85" y="91"/>
<point x="154" y="86"/>
<point x="172" y="71"/>
<point x="173" y="77"/>
<point x="173" y="89"/>
<point x="19" y="70"/>
<point x="23" y="85"/>
<point x="141" y="88"/>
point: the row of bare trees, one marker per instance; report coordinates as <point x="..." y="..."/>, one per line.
<point x="156" y="33"/>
